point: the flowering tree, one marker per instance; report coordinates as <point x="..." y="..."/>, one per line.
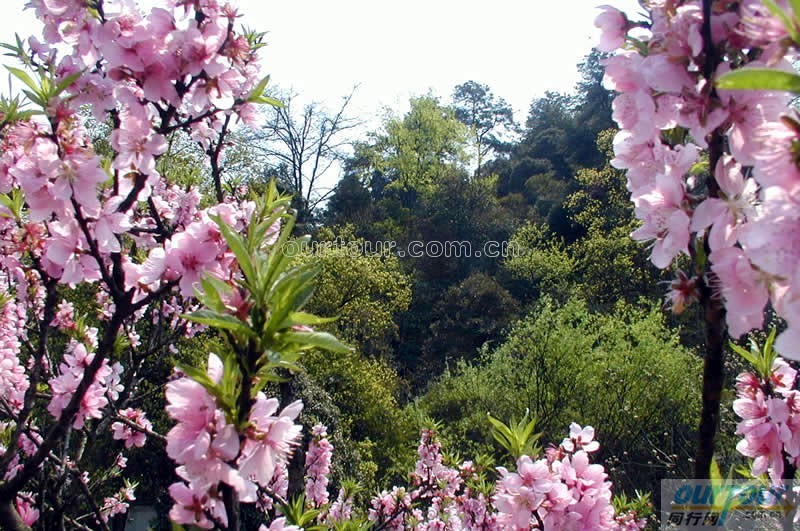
<point x="148" y="255"/>
<point x="713" y="173"/>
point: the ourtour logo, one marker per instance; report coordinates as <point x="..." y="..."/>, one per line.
<point x="412" y="249"/>
<point x="727" y="504"/>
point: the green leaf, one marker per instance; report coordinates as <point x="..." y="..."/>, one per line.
<point x="747" y="355"/>
<point x="222" y="321"/>
<point x="304" y="319"/>
<point x="35" y="98"/>
<point x="784" y="17"/>
<point x="239" y="250"/>
<point x="321" y="340"/>
<point x="65" y="83"/>
<point x="210" y="295"/>
<point x="266" y="100"/>
<point x="258" y="91"/>
<point x="24" y="77"/>
<point x="759" y="79"/>
<point x="201" y="377"/>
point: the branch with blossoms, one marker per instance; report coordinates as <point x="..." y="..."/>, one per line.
<point x="712" y="167"/>
<point x="553" y="492"/>
<point x="114" y="226"/>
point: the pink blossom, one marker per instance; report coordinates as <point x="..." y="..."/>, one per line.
<point x="25" y="508"/>
<point x="665" y="221"/>
<point x="279" y="524"/>
<point x="193" y="507"/>
<point x="614" y="25"/>
<point x="725" y="214"/>
<point x="318" y="467"/>
<point x="270" y="439"/>
<point x="131" y="436"/>
<point x="744" y="289"/>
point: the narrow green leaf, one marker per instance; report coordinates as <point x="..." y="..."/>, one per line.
<point x="714" y="473"/>
<point x="266" y="100"/>
<point x="795" y="5"/>
<point x="321" y="340"/>
<point x="784" y="17"/>
<point x="65" y="83"/>
<point x="220" y="320"/>
<point x="746" y="354"/>
<point x="258" y="91"/>
<point x="209" y="294"/>
<point x="35" y="98"/>
<point x="239" y="250"/>
<point x="304" y="319"/>
<point x="759" y="79"/>
<point x="24" y="77"/>
<point x="203" y="379"/>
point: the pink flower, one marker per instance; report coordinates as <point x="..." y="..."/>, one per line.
<point x="25" y="507"/>
<point x="725" y="214"/>
<point x="131" y="436"/>
<point x="744" y="289"/>
<point x="194" y="409"/>
<point x="191" y="507"/>
<point x="614" y="25"/>
<point x="318" y="466"/>
<point x="270" y="439"/>
<point x="665" y="221"/>
<point x="682" y="293"/>
<point x="279" y="524"/>
<point x="764" y="426"/>
<point x="580" y="439"/>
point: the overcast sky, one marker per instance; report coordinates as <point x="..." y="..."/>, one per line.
<point x="397" y="49"/>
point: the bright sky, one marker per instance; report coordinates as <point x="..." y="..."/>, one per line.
<point x="397" y="49"/>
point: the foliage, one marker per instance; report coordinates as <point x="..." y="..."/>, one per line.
<point x="488" y="117"/>
<point x="413" y="152"/>
<point x="362" y="285"/>
<point x="621" y="371"/>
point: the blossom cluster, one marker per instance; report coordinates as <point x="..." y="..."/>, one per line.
<point x="111" y="222"/>
<point x="711" y="172"/>
<point x="770" y="412"/>
<point x="562" y="490"/>
<point x="318" y="466"/>
<point x="211" y="453"/>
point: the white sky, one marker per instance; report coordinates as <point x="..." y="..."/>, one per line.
<point x="397" y="49"/>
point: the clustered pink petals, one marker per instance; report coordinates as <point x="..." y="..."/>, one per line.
<point x="118" y="503"/>
<point x="13" y="379"/>
<point x="132" y="436"/>
<point x="25" y="504"/>
<point x="106" y="384"/>
<point x="751" y="222"/>
<point x="318" y="466"/>
<point x="209" y="450"/>
<point x="770" y="425"/>
<point x="562" y="491"/>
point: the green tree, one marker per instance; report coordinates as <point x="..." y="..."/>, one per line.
<point x="413" y="152"/>
<point x="488" y="117"/>
<point x="601" y="264"/>
<point x="621" y="371"/>
<point x="364" y="290"/>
